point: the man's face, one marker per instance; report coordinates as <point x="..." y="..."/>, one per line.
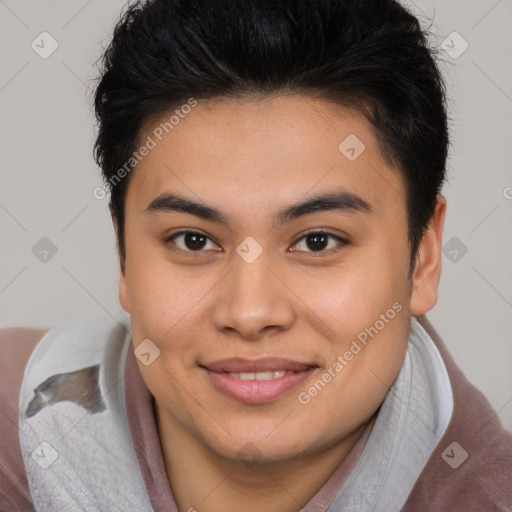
<point x="255" y="284"/>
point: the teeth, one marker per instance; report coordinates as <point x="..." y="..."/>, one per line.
<point x="260" y="375"/>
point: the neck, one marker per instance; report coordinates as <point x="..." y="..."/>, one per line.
<point x="203" y="481"/>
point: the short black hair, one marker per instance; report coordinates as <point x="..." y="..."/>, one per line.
<point x="371" y="55"/>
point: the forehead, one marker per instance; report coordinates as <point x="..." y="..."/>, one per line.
<point x="252" y="153"/>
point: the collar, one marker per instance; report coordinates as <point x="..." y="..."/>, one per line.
<point x="411" y="421"/>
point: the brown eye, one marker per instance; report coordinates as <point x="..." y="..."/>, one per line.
<point x="191" y="241"/>
<point x="194" y="241"/>
<point x="318" y="241"/>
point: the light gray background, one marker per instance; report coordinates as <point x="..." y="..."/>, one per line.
<point x="48" y="176"/>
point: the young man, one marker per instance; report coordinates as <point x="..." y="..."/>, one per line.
<point x="275" y="170"/>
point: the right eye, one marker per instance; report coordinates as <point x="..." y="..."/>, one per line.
<point x="189" y="241"/>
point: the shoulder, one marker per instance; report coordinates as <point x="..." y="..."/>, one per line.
<point x="16" y="346"/>
<point x="21" y="337"/>
<point x="471" y="465"/>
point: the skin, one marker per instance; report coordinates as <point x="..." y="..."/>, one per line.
<point x="250" y="159"/>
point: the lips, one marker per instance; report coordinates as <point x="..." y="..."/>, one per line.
<point x="268" y="364"/>
<point x="248" y="380"/>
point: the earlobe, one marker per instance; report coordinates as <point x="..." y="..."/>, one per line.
<point x="427" y="272"/>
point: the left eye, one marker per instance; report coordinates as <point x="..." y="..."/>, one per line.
<point x="318" y="241"/>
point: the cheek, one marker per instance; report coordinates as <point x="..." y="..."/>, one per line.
<point x="171" y="307"/>
<point x="164" y="298"/>
<point x="352" y="296"/>
<point x="157" y="288"/>
<point x="362" y="310"/>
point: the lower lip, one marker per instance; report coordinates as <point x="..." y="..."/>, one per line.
<point x="257" y="391"/>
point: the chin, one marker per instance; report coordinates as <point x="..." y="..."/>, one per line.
<point x="257" y="447"/>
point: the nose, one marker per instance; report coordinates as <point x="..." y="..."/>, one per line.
<point x="253" y="300"/>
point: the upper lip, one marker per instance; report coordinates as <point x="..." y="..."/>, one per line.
<point x="267" y="364"/>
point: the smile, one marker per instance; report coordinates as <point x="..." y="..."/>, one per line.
<point x="260" y="375"/>
<point x="257" y="387"/>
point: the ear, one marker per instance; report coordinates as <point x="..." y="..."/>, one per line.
<point x="123" y="287"/>
<point x="427" y="272"/>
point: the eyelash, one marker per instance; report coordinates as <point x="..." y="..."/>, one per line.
<point x="312" y="254"/>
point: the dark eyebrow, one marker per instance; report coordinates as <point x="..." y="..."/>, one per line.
<point x="342" y="200"/>
<point x="174" y="203"/>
